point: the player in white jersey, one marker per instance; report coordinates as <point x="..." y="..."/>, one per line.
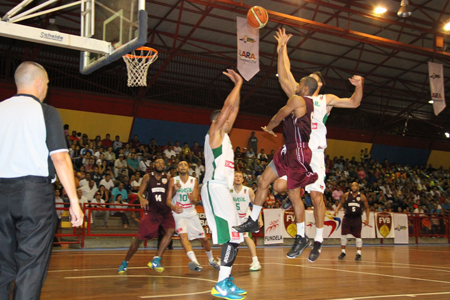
<point x="317" y="143"/>
<point x="220" y="210"/>
<point x="187" y="223"/>
<point x="242" y="196"/>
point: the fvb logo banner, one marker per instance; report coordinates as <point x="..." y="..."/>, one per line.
<point x="384" y="224"/>
<point x="290" y="228"/>
<point x="273" y="233"/>
<point x="248" y="49"/>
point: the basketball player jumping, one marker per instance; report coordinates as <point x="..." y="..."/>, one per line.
<point x="242" y="196"/>
<point x="354" y="203"/>
<point x="188" y="226"/>
<point x="219" y="207"/>
<point x="292" y="159"/>
<point x="322" y="108"/>
<point x="152" y="194"/>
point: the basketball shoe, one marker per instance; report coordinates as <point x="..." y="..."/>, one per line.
<point x="222" y="290"/>
<point x="195" y="267"/>
<point x="214" y="264"/>
<point x="247" y="226"/>
<point x="342" y="256"/>
<point x="233" y="287"/>
<point x="358" y="257"/>
<point x="255" y="266"/>
<point x="300" y="244"/>
<point x="155" y="264"/>
<point x="123" y="268"/>
<point x="315" y="252"/>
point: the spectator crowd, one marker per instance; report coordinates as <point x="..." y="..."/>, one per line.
<point x="111" y="171"/>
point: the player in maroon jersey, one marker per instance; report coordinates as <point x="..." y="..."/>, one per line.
<point x="152" y="194"/>
<point x="354" y="203"/>
<point x="292" y="159"/>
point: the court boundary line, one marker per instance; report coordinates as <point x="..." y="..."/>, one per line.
<point x="393" y="296"/>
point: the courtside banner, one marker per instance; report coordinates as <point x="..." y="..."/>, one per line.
<point x="273" y="226"/>
<point x="384" y="223"/>
<point x="247" y="49"/>
<point x="333" y="225"/>
<point x="436" y="74"/>
<point x="401" y="229"/>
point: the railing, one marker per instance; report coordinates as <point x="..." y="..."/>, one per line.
<point x="76" y="232"/>
<point x="419" y="225"/>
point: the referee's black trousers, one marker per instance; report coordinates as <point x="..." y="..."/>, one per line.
<point x="27" y="226"/>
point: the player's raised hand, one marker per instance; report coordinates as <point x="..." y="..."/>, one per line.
<point x="191" y="197"/>
<point x="235" y="77"/>
<point x="269" y="131"/>
<point x="176" y="187"/>
<point x="282" y="38"/>
<point x="356" y="80"/>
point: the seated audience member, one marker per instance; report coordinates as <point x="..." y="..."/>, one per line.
<point x="89" y="190"/>
<point x="145" y="164"/>
<point x="136" y="183"/>
<point x="120" y="165"/>
<point x="108" y="183"/>
<point x="133" y="165"/>
<point x="262" y="156"/>
<point x="120" y="214"/>
<point x="117" y="144"/>
<point x="97" y="213"/>
<point x="135" y="143"/>
<point x="119" y="190"/>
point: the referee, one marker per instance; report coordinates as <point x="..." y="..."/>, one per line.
<point x="30" y="134"/>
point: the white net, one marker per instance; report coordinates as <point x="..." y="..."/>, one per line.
<point x="137" y="63"/>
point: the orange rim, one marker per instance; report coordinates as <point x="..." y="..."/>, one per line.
<point x="155" y="53"/>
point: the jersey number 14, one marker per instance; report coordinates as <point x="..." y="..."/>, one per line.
<point x="158" y="198"/>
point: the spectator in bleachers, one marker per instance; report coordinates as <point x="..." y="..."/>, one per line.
<point x="74" y="136"/>
<point x="107" y="182"/>
<point x="186" y="152"/>
<point x="117" y="144"/>
<point x="253" y="142"/>
<point x="120" y="165"/>
<point x="135" y="143"/>
<point x="169" y="152"/>
<point x="133" y="165"/>
<point x="106" y="142"/>
<point x="89" y="190"/>
<point x="238" y="154"/>
<point x="85" y="180"/>
<point x="196" y="152"/>
<point x="153" y="147"/>
<point x="121" y="214"/>
<point x="262" y="156"/>
<point x="136" y="183"/>
<point x="250" y="155"/>
<point x="145" y="164"/>
<point x="119" y="190"/>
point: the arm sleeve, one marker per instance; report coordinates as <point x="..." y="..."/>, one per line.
<point x="56" y="141"/>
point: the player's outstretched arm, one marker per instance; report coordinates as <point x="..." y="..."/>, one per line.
<point x="285" y="77"/>
<point x="229" y="110"/>
<point x="354" y="101"/>
<point x="294" y="102"/>
<point x="141" y="191"/>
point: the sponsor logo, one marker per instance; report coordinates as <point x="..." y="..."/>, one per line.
<point x="164" y="180"/>
<point x="229" y="164"/>
<point x="247" y="39"/>
<point x="235" y="235"/>
<point x="192" y="180"/>
<point x="51" y="36"/>
<point x="179" y="230"/>
<point x="246" y="55"/>
<point x="434" y="76"/>
<point x="314" y="126"/>
<point x="400" y="228"/>
<point x="436" y="96"/>
<point x="332" y="221"/>
<point x="272" y="226"/>
<point x="316" y="103"/>
<point x="289" y="223"/>
<point x="273" y="238"/>
<point x="245" y="191"/>
<point x="322" y="187"/>
<point x="384" y="223"/>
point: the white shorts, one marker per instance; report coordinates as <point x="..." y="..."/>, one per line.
<point x="318" y="166"/>
<point x="190" y="225"/>
<point x="221" y="213"/>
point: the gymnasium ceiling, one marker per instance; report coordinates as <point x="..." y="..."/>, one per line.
<point x="196" y="40"/>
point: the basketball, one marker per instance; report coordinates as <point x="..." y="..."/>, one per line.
<point x="257" y="17"/>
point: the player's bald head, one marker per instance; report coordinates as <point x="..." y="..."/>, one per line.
<point x="28" y="72"/>
<point x="311" y="83"/>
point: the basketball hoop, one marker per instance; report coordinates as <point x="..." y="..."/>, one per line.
<point x="137" y="63"/>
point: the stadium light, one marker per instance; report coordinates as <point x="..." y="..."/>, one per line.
<point x="447" y="135"/>
<point x="380" y="10"/>
<point x="405" y="9"/>
<point x="447" y="24"/>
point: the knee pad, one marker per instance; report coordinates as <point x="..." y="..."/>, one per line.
<point x="228" y="255"/>
<point x="343" y="240"/>
<point x="359" y="242"/>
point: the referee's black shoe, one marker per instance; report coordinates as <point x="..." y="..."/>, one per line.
<point x="300" y="244"/>
<point x="247" y="226"/>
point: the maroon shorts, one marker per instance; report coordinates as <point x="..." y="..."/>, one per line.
<point x="352" y="225"/>
<point x="294" y="163"/>
<point x="153" y="224"/>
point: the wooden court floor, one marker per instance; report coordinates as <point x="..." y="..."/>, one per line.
<point x="386" y="272"/>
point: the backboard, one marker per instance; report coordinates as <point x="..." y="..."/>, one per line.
<point x="122" y="23"/>
<point x="109" y="28"/>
